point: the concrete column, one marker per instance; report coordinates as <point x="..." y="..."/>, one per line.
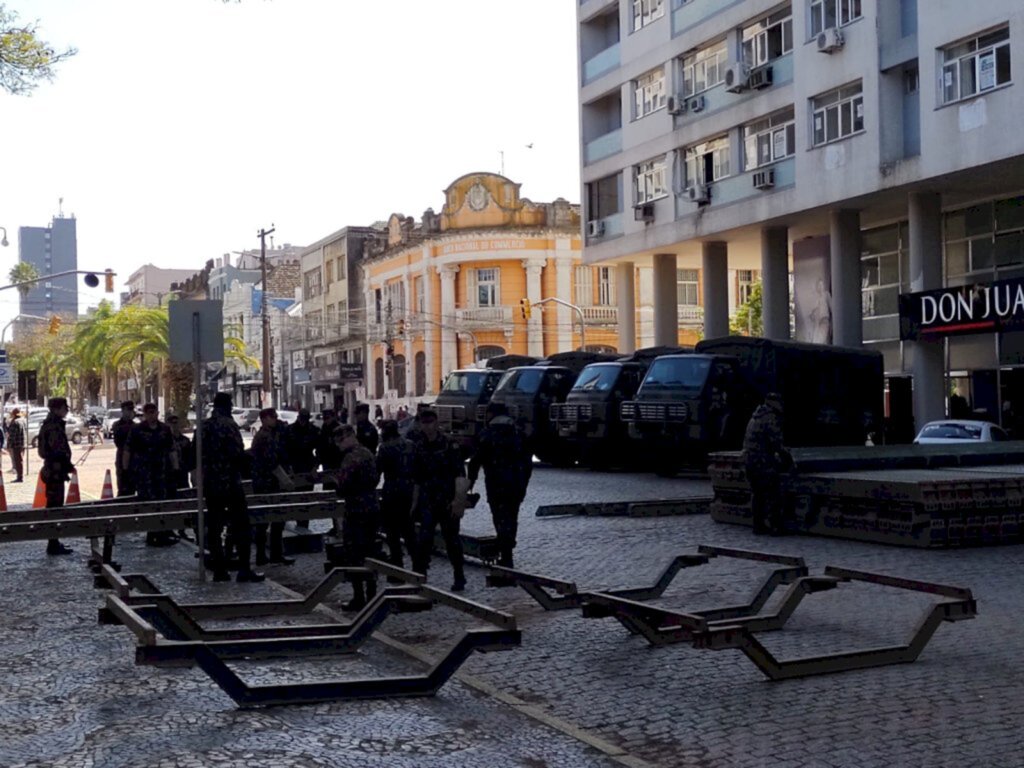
<point x="567" y="319"/>
<point x="625" y="294"/>
<point x="666" y="301"/>
<point x="715" y="263"/>
<point x="449" y="350"/>
<point x="927" y="364"/>
<point x="847" y="318"/>
<point x="535" y="325"/>
<point x="429" y="331"/>
<point x="645" y="315"/>
<point x="775" y="282"/>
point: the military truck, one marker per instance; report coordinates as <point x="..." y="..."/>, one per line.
<point x="463" y="398"/>
<point x="589" y="422"/>
<point x="529" y="392"/>
<point x="691" y="405"/>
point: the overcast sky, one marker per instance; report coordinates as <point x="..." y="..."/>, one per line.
<point x="183" y="126"/>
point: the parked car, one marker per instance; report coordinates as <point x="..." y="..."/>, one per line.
<point x="111" y="416"/>
<point x="74" y="426"/>
<point x="288" y="417"/>
<point x="959" y="432"/>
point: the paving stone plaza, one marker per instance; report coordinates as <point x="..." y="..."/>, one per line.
<point x="576" y="693"/>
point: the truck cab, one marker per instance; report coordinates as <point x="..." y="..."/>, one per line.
<point x="461" y="403"/>
<point x="528" y="393"/>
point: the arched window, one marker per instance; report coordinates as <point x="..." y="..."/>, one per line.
<point x="488" y="351"/>
<point x="420" y="373"/>
<point x="398" y="374"/>
<point x="378" y="377"/>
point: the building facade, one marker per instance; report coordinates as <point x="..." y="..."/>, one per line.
<point x="859" y="151"/>
<point x="50" y="250"/>
<point x="151" y="286"/>
<point x="445" y="292"/>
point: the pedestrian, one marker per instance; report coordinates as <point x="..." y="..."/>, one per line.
<point x="503" y="453"/>
<point x="366" y="432"/>
<point x="269" y="475"/>
<point x="766" y="459"/>
<point x="436" y="465"/>
<point x="120" y="431"/>
<point x="16" y="444"/>
<point x="395" y="462"/>
<point x="357" y="485"/>
<point x="149" y="456"/>
<point x="55" y="452"/>
<point x="223" y="456"/>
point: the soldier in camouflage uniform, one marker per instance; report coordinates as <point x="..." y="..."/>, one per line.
<point x="269" y="460"/>
<point x="395" y="462"/>
<point x="366" y="432"/>
<point x="766" y="459"/>
<point x="57" y="466"/>
<point x="120" y="431"/>
<point x="223" y="456"/>
<point x="357" y="485"/>
<point x="149" y="457"/>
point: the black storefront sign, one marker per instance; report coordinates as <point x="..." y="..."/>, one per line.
<point x="350" y="372"/>
<point x="981" y="308"/>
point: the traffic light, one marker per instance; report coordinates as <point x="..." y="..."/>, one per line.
<point x="401" y="326"/>
<point x="525" y="308"/>
<point x="55" y="322"/>
<point x="108" y="279"/>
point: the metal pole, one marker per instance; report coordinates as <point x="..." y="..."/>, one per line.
<point x="577" y="310"/>
<point x="267" y="392"/>
<point x="200" y="512"/>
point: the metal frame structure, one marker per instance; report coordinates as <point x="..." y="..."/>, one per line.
<point x="697" y="505"/>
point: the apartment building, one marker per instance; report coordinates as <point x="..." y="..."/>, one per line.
<point x="862" y="156"/>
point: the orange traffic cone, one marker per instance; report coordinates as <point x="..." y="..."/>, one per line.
<point x="108" y="488"/>
<point x="3" y="494"/>
<point x="39" y="501"/>
<point x="74" y="494"/>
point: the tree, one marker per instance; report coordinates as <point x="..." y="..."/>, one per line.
<point x="23" y="272"/>
<point x="25" y="59"/>
<point x="747" y="320"/>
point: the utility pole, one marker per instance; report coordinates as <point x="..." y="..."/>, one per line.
<point x="267" y="381"/>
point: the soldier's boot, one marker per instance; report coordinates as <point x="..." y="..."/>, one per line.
<point x="54" y="547"/>
<point x="277" y="554"/>
<point x="358" y="601"/>
<point x="259" y="541"/>
<point x="505" y="556"/>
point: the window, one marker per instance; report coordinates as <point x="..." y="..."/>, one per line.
<point x="487" y="287"/>
<point x="976" y="66"/>
<point x="606" y="286"/>
<point x="686" y="287"/>
<point x="343" y="316"/>
<point x="705" y="69"/>
<point x="707" y="162"/>
<point x="314" y="323"/>
<point x="833" y="13"/>
<point x="651" y="181"/>
<point x="328" y="273"/>
<point x="419" y="291"/>
<point x="647" y="11"/>
<point x="583" y="286"/>
<point x="837" y="114"/>
<point x="769" y="139"/>
<point x="746" y="279"/>
<point x="603" y="198"/>
<point x="768" y="38"/>
<point x="649" y="92"/>
<point x="311" y="284"/>
<point x="394" y="300"/>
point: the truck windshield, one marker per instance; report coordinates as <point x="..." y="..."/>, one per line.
<point x="680" y="374"/>
<point x="597" y="378"/>
<point x="465" y="382"/>
<point x="524" y="380"/>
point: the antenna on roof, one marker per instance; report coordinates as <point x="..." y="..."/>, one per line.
<point x="60" y="207"/>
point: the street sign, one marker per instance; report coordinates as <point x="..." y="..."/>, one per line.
<point x="6" y="373"/>
<point x="183" y="317"/>
<point x="3" y="355"/>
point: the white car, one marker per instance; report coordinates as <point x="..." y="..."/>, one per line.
<point x="960" y="432"/>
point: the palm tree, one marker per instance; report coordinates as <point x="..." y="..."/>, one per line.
<point x="23" y="272"/>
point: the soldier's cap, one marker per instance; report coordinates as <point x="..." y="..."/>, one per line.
<point x="57" y="402"/>
<point x="426" y="414"/>
<point x="127" y="404"/>
<point x="266" y="413"/>
<point x="222" y="400"/>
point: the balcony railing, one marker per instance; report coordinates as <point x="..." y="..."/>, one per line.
<point x="600" y="315"/>
<point x="484" y="317"/>
<point x="690" y="314"/>
<point x="605" y="61"/>
<point x="603" y="146"/>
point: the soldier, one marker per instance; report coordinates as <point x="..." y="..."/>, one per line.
<point x="120" y="431"/>
<point x="223" y="456"/>
<point x="357" y="485"/>
<point x="179" y="479"/>
<point x="327" y="451"/>
<point x="57" y="467"/>
<point x="16" y="444"/>
<point x="436" y="465"/>
<point x="366" y="432"/>
<point x="395" y="462"/>
<point x="303" y="437"/>
<point x="766" y="458"/>
<point x="149" y="457"/>
<point x="269" y="458"/>
<point x="507" y="462"/>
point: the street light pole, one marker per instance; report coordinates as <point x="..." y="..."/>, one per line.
<point x="576" y="309"/>
<point x="267" y="380"/>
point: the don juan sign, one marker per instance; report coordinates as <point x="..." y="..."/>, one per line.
<point x="980" y="308"/>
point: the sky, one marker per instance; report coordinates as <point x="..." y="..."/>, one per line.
<point x="183" y="126"/>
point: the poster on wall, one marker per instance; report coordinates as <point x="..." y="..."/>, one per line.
<point x="812" y="290"/>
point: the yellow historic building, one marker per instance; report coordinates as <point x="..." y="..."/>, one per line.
<point x="445" y="292"/>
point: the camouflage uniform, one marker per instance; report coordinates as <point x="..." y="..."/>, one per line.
<point x="302" y="443"/>
<point x="328" y="453"/>
<point x="179" y="478"/>
<point x="150" y="449"/>
<point x="16" y="445"/>
<point x="395" y="461"/>
<point x="268" y="453"/>
<point x="223" y="457"/>
<point x="765" y="459"/>
<point x="121" y="431"/>
<point x="436" y="464"/>
<point x="507" y="462"/>
<point x="357" y="484"/>
<point x="55" y="452"/>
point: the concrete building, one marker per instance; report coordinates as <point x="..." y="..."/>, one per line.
<point x="151" y="286"/>
<point x="862" y="151"/>
<point x="50" y="250"/>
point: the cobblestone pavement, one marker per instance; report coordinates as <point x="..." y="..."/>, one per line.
<point x="958" y="705"/>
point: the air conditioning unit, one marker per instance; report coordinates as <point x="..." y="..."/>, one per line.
<point x="696" y="104"/>
<point x="764" y="179"/>
<point x="644" y="212"/>
<point x="737" y="77"/>
<point x="595" y="228"/>
<point x="676" y="105"/>
<point x="829" y="40"/>
<point x="699" y="193"/>
<point x="761" y="78"/>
